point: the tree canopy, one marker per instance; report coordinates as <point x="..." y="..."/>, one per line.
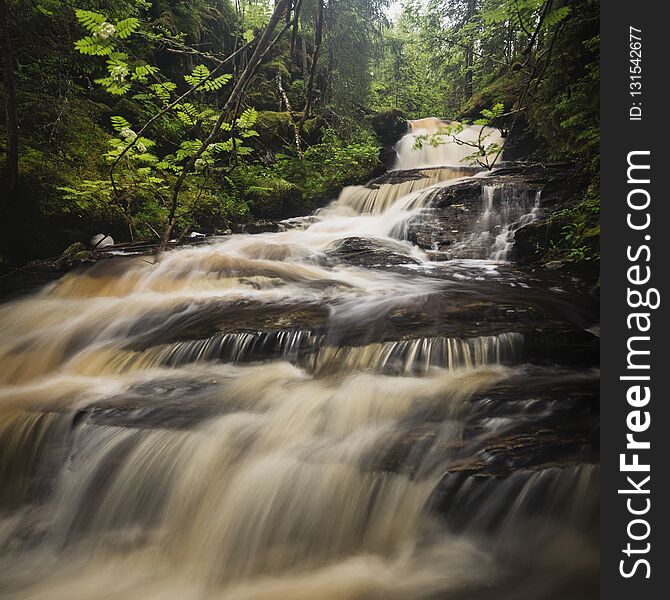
<point x="146" y="119"/>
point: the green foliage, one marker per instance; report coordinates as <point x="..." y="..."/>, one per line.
<point x="143" y="55"/>
<point x="577" y="239"/>
<point x="126" y="27"/>
<point x="330" y="164"/>
<point x="201" y="77"/>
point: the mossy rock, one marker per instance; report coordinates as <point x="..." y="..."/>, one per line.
<point x="73" y="251"/>
<point x="274" y="128"/>
<point x="389" y="126"/>
<point x="276" y="199"/>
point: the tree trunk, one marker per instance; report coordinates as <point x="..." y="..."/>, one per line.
<point x="305" y="64"/>
<point x="296" y="18"/>
<point x="11" y="170"/>
<point x="265" y="43"/>
<point x="330" y="26"/>
<point x="318" y="36"/>
<point x="289" y="111"/>
<point x="469" y="55"/>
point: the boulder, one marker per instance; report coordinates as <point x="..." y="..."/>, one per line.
<point x="370" y="253"/>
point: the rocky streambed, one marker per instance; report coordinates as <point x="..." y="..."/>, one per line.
<point x="384" y="399"/>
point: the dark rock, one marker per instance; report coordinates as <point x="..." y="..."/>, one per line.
<point x="552" y="420"/>
<point x="389" y="125"/>
<point x="370" y="253"/>
<point x="158" y="404"/>
<point x="393" y="177"/>
<point x="262" y="227"/>
<point x="455" y="208"/>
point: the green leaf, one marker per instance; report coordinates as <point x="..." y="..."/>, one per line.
<point x="142" y="73"/>
<point x="248" y="118"/>
<point x="93" y="47"/>
<point x="198" y="76"/>
<point x="187" y="114"/>
<point x="162" y="90"/>
<point x="217" y="82"/>
<point x="119" y="123"/>
<point x="556" y="16"/>
<point x="113" y="86"/>
<point x="126" y="27"/>
<point x="89" y="20"/>
<point x="188" y="148"/>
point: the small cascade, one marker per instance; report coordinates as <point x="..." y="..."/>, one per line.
<point x="515" y="215"/>
<point x="313" y="352"/>
<point x="446" y="153"/>
<point x="376" y="200"/>
<point x="568" y="496"/>
<point x="29" y="453"/>
<point x="418" y="356"/>
<point x="505" y="209"/>
<point x="236" y="348"/>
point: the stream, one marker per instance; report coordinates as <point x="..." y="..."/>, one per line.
<point x="326" y="412"/>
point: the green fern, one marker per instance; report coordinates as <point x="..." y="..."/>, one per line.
<point x="198" y="75"/>
<point x="89" y="20"/>
<point x="93" y="47"/>
<point x="119" y="123"/>
<point x="126" y="27"/>
<point x="217" y="83"/>
<point x="142" y="72"/>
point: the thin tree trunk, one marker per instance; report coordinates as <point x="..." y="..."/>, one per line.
<point x="289" y="111"/>
<point x="469" y="55"/>
<point x="265" y="43"/>
<point x="330" y="26"/>
<point x="11" y="171"/>
<point x="294" y="32"/>
<point x="305" y="64"/>
<point x="318" y="36"/>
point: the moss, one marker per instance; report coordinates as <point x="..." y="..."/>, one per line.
<point x="505" y="89"/>
<point x="275" y="198"/>
<point x="73" y="250"/>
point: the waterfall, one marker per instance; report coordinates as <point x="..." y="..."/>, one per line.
<point x="262" y="417"/>
<point x="445" y="152"/>
<point x="313" y="352"/>
<point x="378" y="199"/>
<point x="504" y="210"/>
<point x="419" y="356"/>
<point x="569" y="495"/>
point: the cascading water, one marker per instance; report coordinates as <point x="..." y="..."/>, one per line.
<point x="505" y="209"/>
<point x="444" y="152"/>
<point x="259" y="418"/>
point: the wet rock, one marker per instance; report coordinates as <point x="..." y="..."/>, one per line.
<point x="530" y="242"/>
<point x="454" y="209"/>
<point x="394" y="177"/>
<point x="204" y="320"/>
<point x="300" y="222"/>
<point x="262" y="227"/>
<point x="389" y="126"/>
<point x="73" y="256"/>
<point x="370" y="253"/>
<point x="157" y="405"/>
<point x="540" y="418"/>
